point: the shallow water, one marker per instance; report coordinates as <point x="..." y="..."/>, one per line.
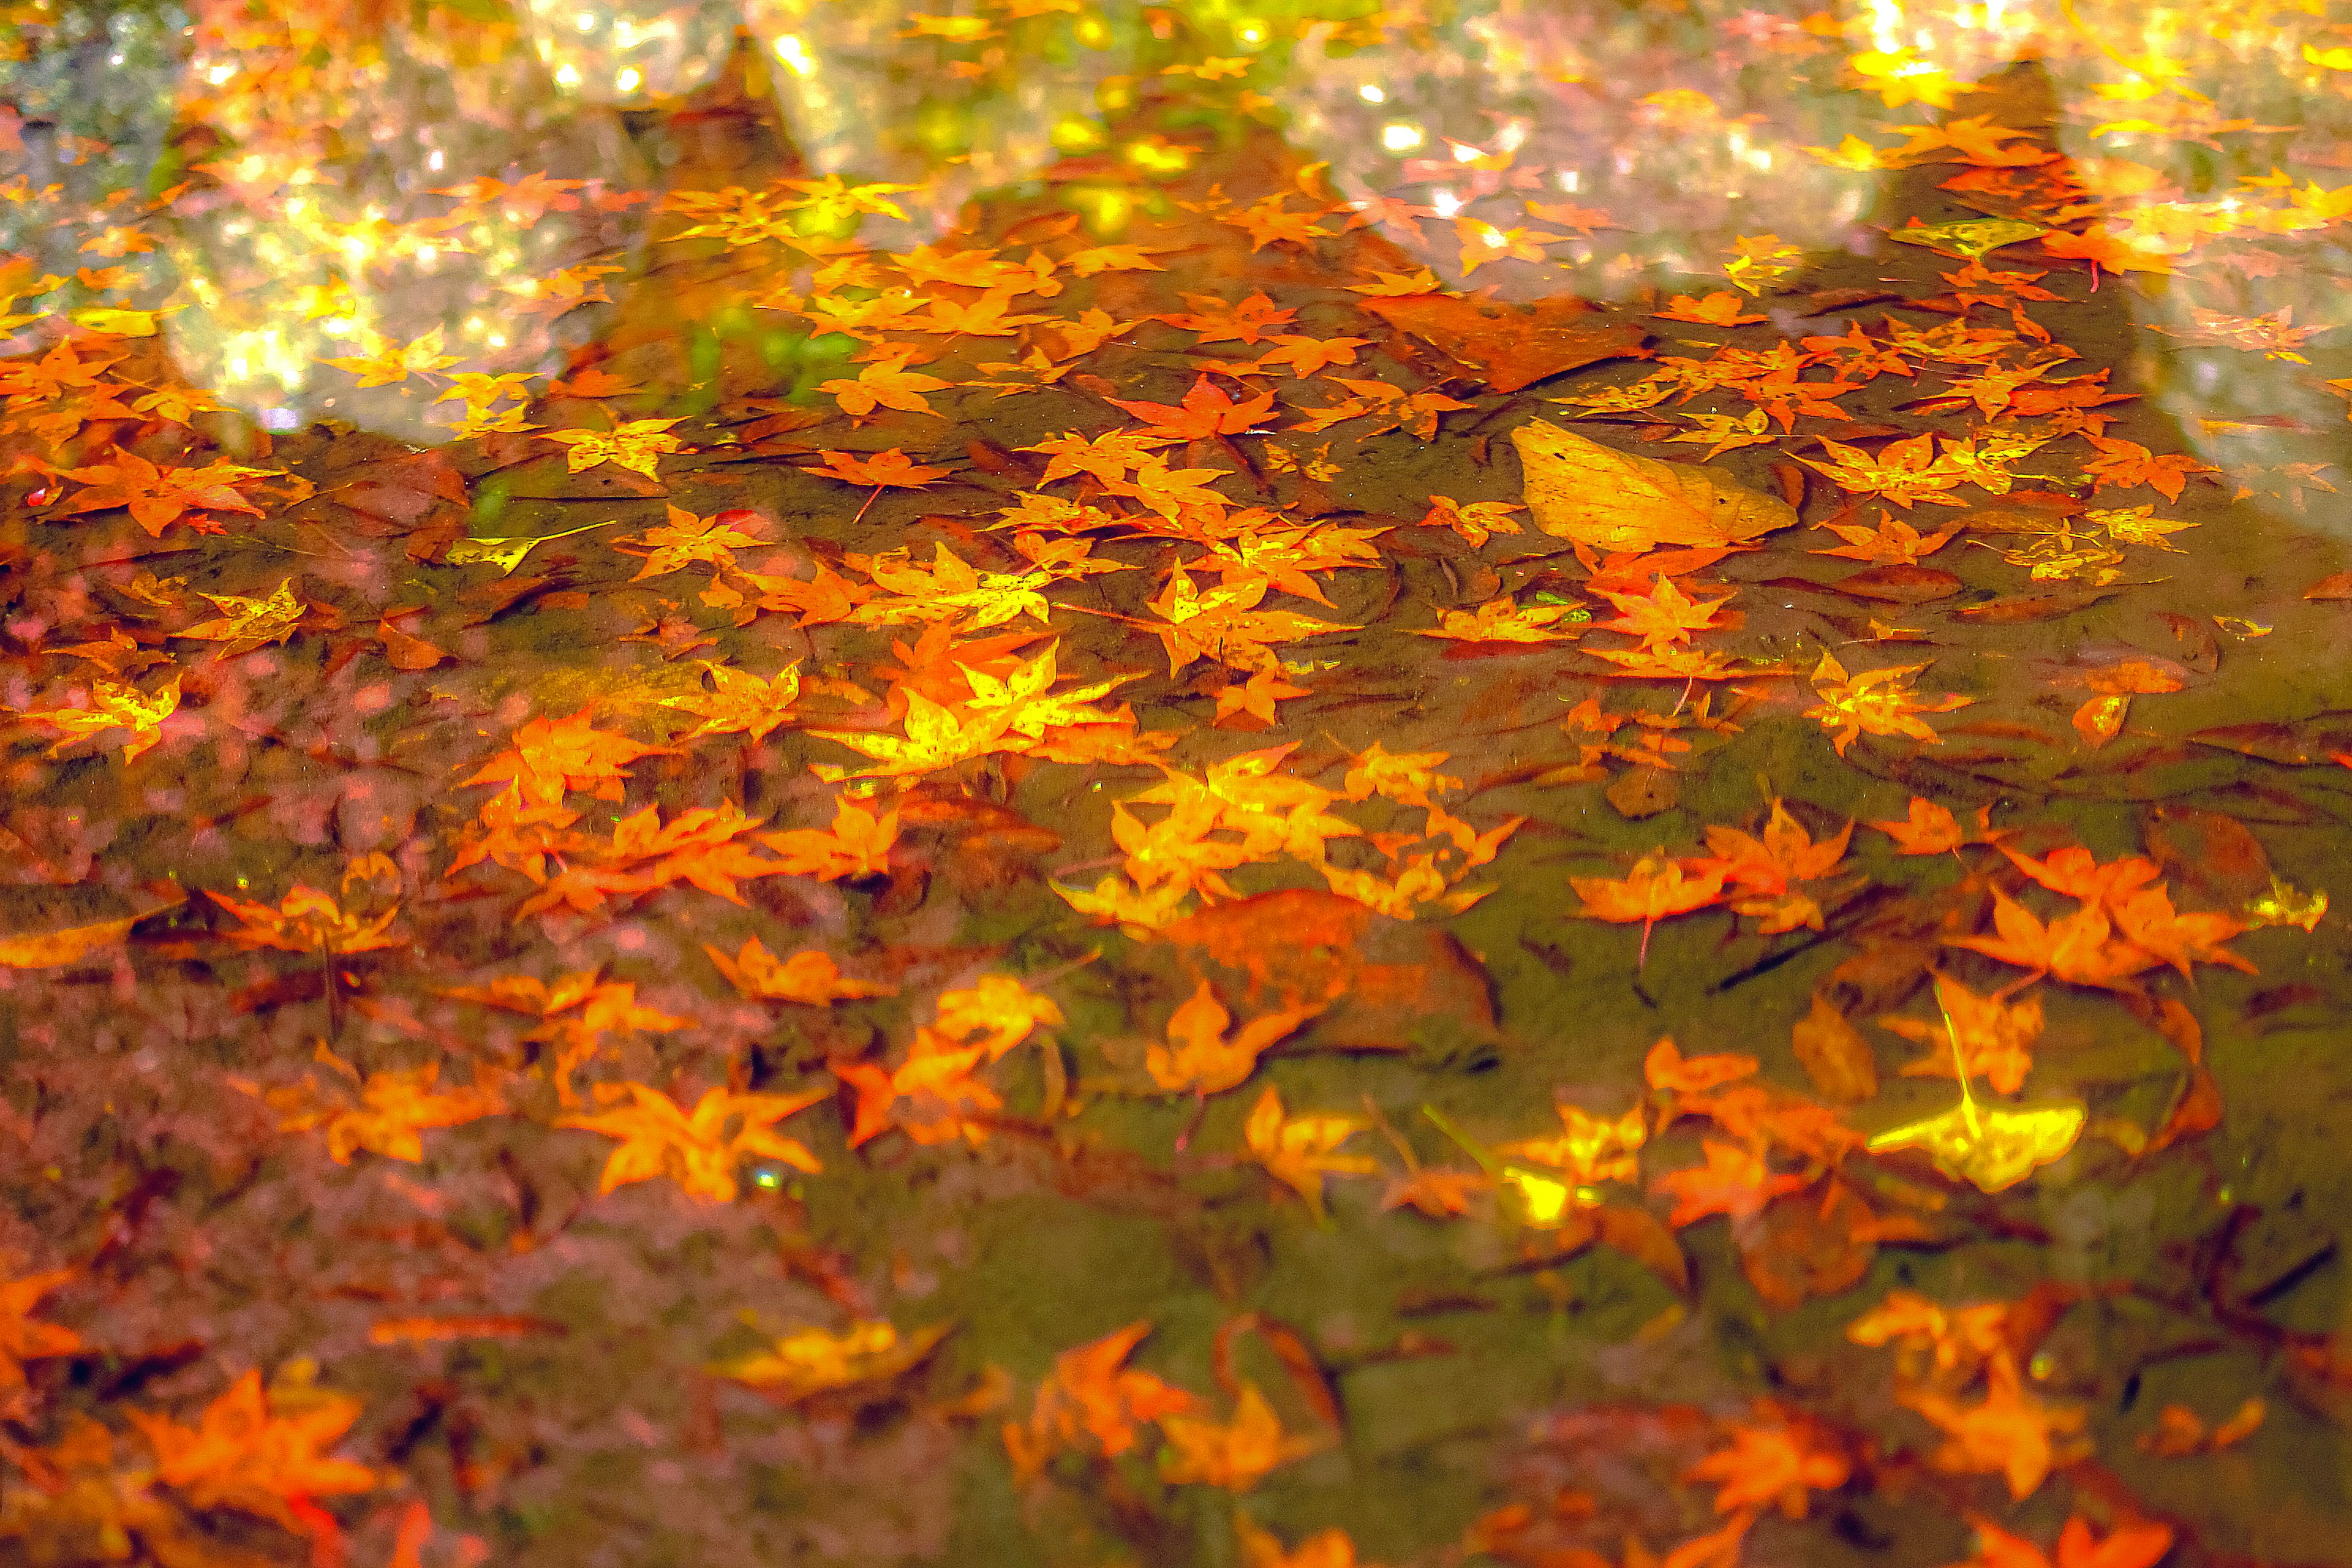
<point x="1176" y="786"/>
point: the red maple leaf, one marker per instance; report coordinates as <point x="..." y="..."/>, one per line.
<point x="158" y="497"/>
<point x="1205" y="412"/>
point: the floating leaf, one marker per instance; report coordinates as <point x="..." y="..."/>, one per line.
<point x="1582" y="490"/>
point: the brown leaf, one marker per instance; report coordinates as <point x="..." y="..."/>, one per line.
<point x="2036" y="607"/>
<point x="1900" y="584"/>
<point x="406" y="651"/>
<point x="1515" y="346"/>
<point x="55" y="949"/>
<point x="1639" y="1235"/>
<point x="1644" y="792"/>
<point x="1833" y="1053"/>
<point x="2338" y="586"/>
<point x="1809" y="1244"/>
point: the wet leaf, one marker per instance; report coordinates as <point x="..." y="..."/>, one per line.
<point x="1595" y="495"/>
<point x="1994" y="1146"/>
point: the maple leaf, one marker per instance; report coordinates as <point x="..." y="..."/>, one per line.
<point x="685" y="539"/>
<point x="1582" y="490"/>
<point x="1899" y="76"/>
<point x="950" y="589"/>
<point x="308" y="920"/>
<point x="1735" y="1181"/>
<point x="1092" y="1393"/>
<point x="936" y="738"/>
<point x="384" y="1113"/>
<point x="2123" y="464"/>
<point x="549" y="757"/>
<point x="701" y="1150"/>
<point x="2078" y="948"/>
<point x="700" y="848"/>
<point x="1722" y="309"/>
<point x="1300" y="1150"/>
<point x="1930" y="829"/>
<point x="384" y="364"/>
<point x="1198" y="1058"/>
<point x="1505" y="620"/>
<point x="1656" y="887"/>
<point x="1217" y="319"/>
<point x="114" y="705"/>
<point x="245" y="623"/>
<point x="1205" y="412"/>
<point x="259" y="1453"/>
<point x="1879" y="701"/>
<point x="812" y="1361"/>
<point x="858" y="844"/>
<point x="1902" y="472"/>
<point x="1992" y="1036"/>
<point x="811" y="978"/>
<point x="996" y="1013"/>
<point x="880" y="469"/>
<point x="1476" y="521"/>
<point x="23" y="1340"/>
<point x="1772" y="1462"/>
<point x="885" y="383"/>
<point x="634" y="443"/>
<point x="1665" y="615"/>
<point x="574" y="1015"/>
<point x="942" y="1101"/>
<point x="1893" y="543"/>
<point x="1234" y="1455"/>
<point x="739" y="702"/>
<point x="1249" y="704"/>
<point x="2127" y="1545"/>
<point x="1589" y="1149"/>
<point x="158" y="497"/>
<point x="2011" y="1433"/>
<point x="1226" y="624"/>
<point x="1304" y="356"/>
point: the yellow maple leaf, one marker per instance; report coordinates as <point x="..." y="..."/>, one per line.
<point x="1234" y="1455"/>
<point x="739" y="702"/>
<point x="383" y="363"/>
<point x="245" y="623"/>
<point x="1300" y="1150"/>
<point x="1881" y="701"/>
<point x="813" y="1361"/>
<point x="114" y="705"/>
<point x="634" y="443"/>
<point x="699" y="1148"/>
<point x="810" y="977"/>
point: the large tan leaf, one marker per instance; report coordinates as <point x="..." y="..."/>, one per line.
<point x="55" y="949"/>
<point x="1612" y="501"/>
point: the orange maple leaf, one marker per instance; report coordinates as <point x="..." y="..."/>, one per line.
<point x="549" y="757"/>
<point x="1735" y="1181"/>
<point x="259" y="1453"/>
<point x="1663" y="615"/>
<point x="158" y="497"/>
<point x="1931" y="829"/>
<point x="941" y="1100"/>
<point x="1772" y="1462"/>
<point x="1658" y="886"/>
<point x="1205" y="412"/>
<point x="1091" y="1394"/>
<point x="880" y="469"/>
